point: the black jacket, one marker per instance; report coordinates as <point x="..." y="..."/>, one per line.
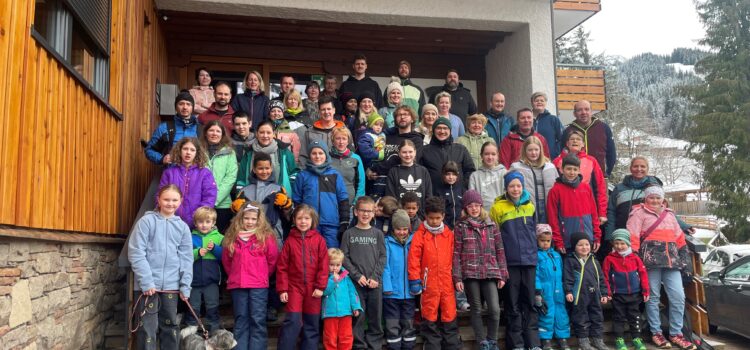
<point x="437" y="153"/>
<point x="462" y="103"/>
<point x="357" y="87"/>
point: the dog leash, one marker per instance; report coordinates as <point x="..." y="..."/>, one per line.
<point x="145" y="301"/>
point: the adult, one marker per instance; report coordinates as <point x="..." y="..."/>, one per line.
<point x="475" y="138"/>
<point x="442" y="149"/>
<point x="498" y="122"/>
<point x="539" y="174"/>
<point x="223" y="165"/>
<point x="312" y="90"/>
<point x="203" y="94"/>
<point x="241" y="135"/>
<point x="359" y="82"/>
<point x="253" y="101"/>
<point x="413" y="95"/>
<point x="597" y="136"/>
<point x="394" y="94"/>
<point x="331" y="89"/>
<point x="168" y="133"/>
<point x="429" y="117"/>
<point x="404" y="130"/>
<point x="510" y="148"/>
<point x="294" y="110"/>
<point x="282" y="160"/>
<point x="444" y="105"/>
<point x="348" y="113"/>
<point x="367" y="110"/>
<point x="320" y="130"/>
<point x="347" y="163"/>
<point x="547" y="124"/>
<point x="286" y="85"/>
<point x="462" y="103"/>
<point x="282" y="130"/>
<point x="220" y="108"/>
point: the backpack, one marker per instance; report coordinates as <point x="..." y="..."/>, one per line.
<point x="164" y="145"/>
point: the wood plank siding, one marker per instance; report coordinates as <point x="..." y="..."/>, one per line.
<point x="67" y="161"/>
<point x="574" y="85"/>
<point x="578" y="5"/>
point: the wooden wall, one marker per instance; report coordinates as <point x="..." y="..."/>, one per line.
<point x="67" y="163"/>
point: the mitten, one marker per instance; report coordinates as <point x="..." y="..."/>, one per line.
<point x="282" y="200"/>
<point x="237" y="204"/>
<point x="415" y="287"/>
<point x="540" y="305"/>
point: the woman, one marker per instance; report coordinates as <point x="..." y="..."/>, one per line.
<point x="547" y="124"/>
<point x="253" y="101"/>
<point x="294" y="112"/>
<point x="539" y="175"/>
<point x="282" y="159"/>
<point x="223" y="165"/>
<point x="203" y="93"/>
<point x="475" y="138"/>
<point x="282" y="130"/>
<point x="442" y="149"/>
<point x="394" y="93"/>
<point x="429" y="116"/>
<point x="367" y="109"/>
<point x="443" y="101"/>
<point x="312" y="90"/>
<point x="348" y="163"/>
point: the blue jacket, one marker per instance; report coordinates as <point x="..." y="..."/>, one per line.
<point x="498" y="125"/>
<point x="395" y="274"/>
<point x="160" y="252"/>
<point x="181" y="130"/>
<point x="518" y="229"/>
<point x="255" y="105"/>
<point x="340" y="298"/>
<point x="206" y="269"/>
<point x="550" y="126"/>
<point x="325" y="193"/>
<point x="549" y="283"/>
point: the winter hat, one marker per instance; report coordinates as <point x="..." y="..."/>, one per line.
<point x="374" y="118"/>
<point x="571" y="159"/>
<point x="513" y="175"/>
<point x="400" y="219"/>
<point x="277" y="104"/>
<point x="366" y="94"/>
<point x="543" y="229"/>
<point x="654" y="190"/>
<point x="441" y="121"/>
<point x="346" y="96"/>
<point x="317" y="144"/>
<point x="472" y="196"/>
<point x="621" y="234"/>
<point x="429" y="107"/>
<point x="394" y="84"/>
<point x="577" y="236"/>
<point x="184" y="96"/>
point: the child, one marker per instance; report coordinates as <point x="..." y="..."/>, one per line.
<point x="409" y="176"/>
<point x="488" y="179"/>
<point x="429" y="267"/>
<point x="554" y="322"/>
<point x="571" y="207"/>
<point x="627" y="286"/>
<point x="585" y="289"/>
<point x="301" y="278"/>
<point x="514" y="213"/>
<point x="479" y="267"/>
<point x="191" y="175"/>
<point x="371" y="147"/>
<point x="207" y="253"/>
<point x="159" y="252"/>
<point x="410" y="203"/>
<point x="323" y="188"/>
<point x="398" y="303"/>
<point x="452" y="192"/>
<point x="661" y="242"/>
<point x="340" y="302"/>
<point x="364" y="249"/>
<point x="250" y="259"/>
<point x="384" y="208"/>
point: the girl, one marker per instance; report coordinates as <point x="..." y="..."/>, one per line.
<point x="347" y="163"/>
<point x="590" y="170"/>
<point x="394" y="93"/>
<point x="285" y="131"/>
<point x="301" y="279"/>
<point x="540" y="175"/>
<point x="408" y="176"/>
<point x="479" y="266"/>
<point x="429" y="116"/>
<point x="249" y="258"/>
<point x="223" y="165"/>
<point x="475" y="138"/>
<point x="340" y="303"/>
<point x="160" y="251"/>
<point x="190" y="174"/>
<point x="282" y="159"/>
<point x="488" y="179"/>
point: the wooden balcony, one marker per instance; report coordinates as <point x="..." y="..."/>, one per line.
<point x="569" y="14"/>
<point x="575" y="83"/>
<point x="578" y="5"/>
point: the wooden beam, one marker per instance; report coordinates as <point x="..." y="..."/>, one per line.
<point x="580" y="73"/>
<point x="580" y="89"/>
<point x="569" y="106"/>
<point x="577" y="6"/>
<point x="581" y="81"/>
<point x="59" y="236"/>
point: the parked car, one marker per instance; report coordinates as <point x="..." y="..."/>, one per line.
<point x="728" y="297"/>
<point x="721" y="257"/>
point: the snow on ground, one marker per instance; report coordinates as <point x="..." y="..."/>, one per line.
<point x="679" y="67"/>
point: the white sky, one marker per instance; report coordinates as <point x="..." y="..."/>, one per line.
<point x="631" y="27"/>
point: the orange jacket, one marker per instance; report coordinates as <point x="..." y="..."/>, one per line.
<point x="431" y="259"/>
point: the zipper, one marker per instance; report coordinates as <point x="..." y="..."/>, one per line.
<point x="166" y="242"/>
<point x="304" y="268"/>
<point x="406" y="270"/>
<point x="580" y="281"/>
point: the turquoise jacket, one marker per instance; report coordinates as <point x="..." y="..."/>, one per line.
<point x="340" y="297"/>
<point x="223" y="167"/>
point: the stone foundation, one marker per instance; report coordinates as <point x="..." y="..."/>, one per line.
<point x="56" y="295"/>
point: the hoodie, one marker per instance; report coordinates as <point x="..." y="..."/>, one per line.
<point x="415" y="178"/>
<point x="570" y="209"/>
<point x="437" y="153"/>
<point x="489" y="182"/>
<point x="357" y="87"/>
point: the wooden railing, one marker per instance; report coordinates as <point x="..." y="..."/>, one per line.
<point x="578" y="5"/>
<point x="575" y="83"/>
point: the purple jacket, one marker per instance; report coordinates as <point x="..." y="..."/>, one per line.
<point x="197" y="185"/>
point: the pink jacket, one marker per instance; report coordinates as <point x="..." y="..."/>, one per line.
<point x="251" y="264"/>
<point x="641" y="218"/>
<point x="203" y="96"/>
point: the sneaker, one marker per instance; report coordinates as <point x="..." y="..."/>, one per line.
<point x="464" y="306"/>
<point x="660" y="341"/>
<point x="682" y="343"/>
<point x="563" y="344"/>
<point x="620" y="344"/>
<point x="484" y="345"/>
<point x="493" y="345"/>
<point x="585" y="344"/>
<point x="638" y="344"/>
<point x="598" y="344"/>
<point x="547" y="344"/>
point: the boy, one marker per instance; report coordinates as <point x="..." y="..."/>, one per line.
<point x="410" y="203"/>
<point x="585" y="288"/>
<point x="571" y="207"/>
<point x="364" y="249"/>
<point x="241" y="135"/>
<point x="452" y="191"/>
<point x="398" y="303"/>
<point x="627" y="286"/>
<point x="430" y="264"/>
<point x="206" y="267"/>
<point x="371" y="147"/>
<point x="549" y="293"/>
<point x="384" y="208"/>
<point x="340" y="302"/>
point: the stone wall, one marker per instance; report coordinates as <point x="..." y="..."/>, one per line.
<point x="57" y="295"/>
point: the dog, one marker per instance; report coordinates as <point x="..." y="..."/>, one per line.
<point x="220" y="339"/>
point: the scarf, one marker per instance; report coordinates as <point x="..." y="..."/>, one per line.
<point x="401" y="241"/>
<point x="573" y="183"/>
<point x="340" y="155"/>
<point x="245" y="235"/>
<point x="295" y="111"/>
<point x="626" y="252"/>
<point x="212" y="149"/>
<point x="271" y="150"/>
<point x="318" y="169"/>
<point x="435" y="230"/>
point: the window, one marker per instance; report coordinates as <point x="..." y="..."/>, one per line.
<point x="723" y="258"/>
<point x="740" y="273"/>
<point x="77" y="33"/>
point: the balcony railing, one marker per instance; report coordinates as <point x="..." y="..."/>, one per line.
<point x="578" y="82"/>
<point x="578" y="5"/>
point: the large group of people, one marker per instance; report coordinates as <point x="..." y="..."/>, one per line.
<point x="357" y="207"/>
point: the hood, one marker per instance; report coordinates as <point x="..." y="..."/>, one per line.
<point x="390" y="238"/>
<point x="296" y="233"/>
<point x="444" y="143"/>
<point x="239" y="138"/>
<point x="492" y="170"/>
<point x="212" y="232"/>
<point x="155" y="216"/>
<point x="193" y="120"/>
<point x="525" y="198"/>
<point x="574" y="184"/>
<point x="213" y="109"/>
<point x="647" y="181"/>
<point x="460" y="87"/>
<point x="496" y="115"/>
<point x="336" y="124"/>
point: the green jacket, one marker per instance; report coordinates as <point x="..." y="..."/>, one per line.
<point x="287" y="168"/>
<point x="223" y="167"/>
<point x="474" y="144"/>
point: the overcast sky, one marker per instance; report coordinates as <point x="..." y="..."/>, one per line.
<point x="631" y="27"/>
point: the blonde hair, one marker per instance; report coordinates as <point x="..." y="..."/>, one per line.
<point x="293" y="94"/>
<point x="442" y="94"/>
<point x="335" y="255"/>
<point x="201" y="157"/>
<point x="304" y="208"/>
<point x="644" y="159"/>
<point x="483" y="214"/>
<point x="389" y="205"/>
<point x="533" y="140"/>
<point x="341" y="130"/>
<point x="170" y="187"/>
<point x="538" y="94"/>
<point x="261" y="84"/>
<point x="263" y="230"/>
<point x="477" y="116"/>
<point x="204" y="213"/>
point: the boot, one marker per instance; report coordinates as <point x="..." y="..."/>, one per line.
<point x="484" y="345"/>
<point x="620" y="344"/>
<point x="563" y="344"/>
<point x="585" y="344"/>
<point x="598" y="344"/>
<point x="547" y="344"/>
<point x="430" y="335"/>
<point x="493" y="345"/>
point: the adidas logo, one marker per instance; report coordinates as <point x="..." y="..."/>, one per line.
<point x="411" y="185"/>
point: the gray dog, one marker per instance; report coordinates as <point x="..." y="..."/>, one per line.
<point x="221" y="339"/>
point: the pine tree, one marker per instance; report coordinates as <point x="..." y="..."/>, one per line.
<point x="720" y="138"/>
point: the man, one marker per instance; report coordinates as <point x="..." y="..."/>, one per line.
<point x="462" y="103"/>
<point x="321" y="129"/>
<point x="220" y="109"/>
<point x="547" y="124"/>
<point x="241" y="135"/>
<point x="498" y="123"/>
<point x="413" y="95"/>
<point x="168" y="133"/>
<point x="331" y="83"/>
<point x="404" y="130"/>
<point x="287" y="85"/>
<point x="359" y="82"/>
<point x="512" y="145"/>
<point x="597" y="136"/>
<point x="442" y="149"/>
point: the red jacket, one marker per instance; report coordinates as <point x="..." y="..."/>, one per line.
<point x="251" y="264"/>
<point x="571" y="209"/>
<point x="625" y="274"/>
<point x="212" y="114"/>
<point x="592" y="175"/>
<point x="303" y="265"/>
<point x="512" y="145"/>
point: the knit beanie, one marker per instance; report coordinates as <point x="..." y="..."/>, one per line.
<point x="471" y="197"/>
<point x="654" y="190"/>
<point x="400" y="219"/>
<point x="317" y="144"/>
<point x="621" y="234"/>
<point x="394" y="84"/>
<point x="366" y="94"/>
<point x="277" y="104"/>
<point x="344" y="97"/>
<point x="513" y="175"/>
<point x="429" y="107"/>
<point x="577" y="236"/>
<point x="373" y="118"/>
<point x="441" y="121"/>
<point x="571" y="159"/>
<point x="184" y="96"/>
<point x="543" y="229"/>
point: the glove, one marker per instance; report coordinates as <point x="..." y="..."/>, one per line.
<point x="540" y="305"/>
<point x="282" y="200"/>
<point x="237" y="204"/>
<point x="343" y="226"/>
<point x="415" y="287"/>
